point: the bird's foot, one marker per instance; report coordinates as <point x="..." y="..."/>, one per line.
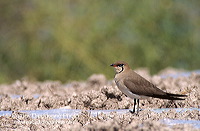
<point x="134" y="112"/>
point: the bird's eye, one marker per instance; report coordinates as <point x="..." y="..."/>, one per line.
<point x="120" y="65"/>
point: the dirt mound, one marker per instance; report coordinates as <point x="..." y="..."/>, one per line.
<point x="96" y="93"/>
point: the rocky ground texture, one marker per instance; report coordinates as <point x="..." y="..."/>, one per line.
<point x="95" y="94"/>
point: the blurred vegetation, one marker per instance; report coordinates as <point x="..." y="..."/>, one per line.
<point x="72" y="39"/>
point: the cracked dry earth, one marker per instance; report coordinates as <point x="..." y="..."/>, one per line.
<point x="97" y="93"/>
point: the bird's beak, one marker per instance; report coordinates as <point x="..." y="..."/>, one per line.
<point x="113" y="65"/>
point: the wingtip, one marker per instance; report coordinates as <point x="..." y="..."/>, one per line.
<point x="170" y="96"/>
<point x="176" y="95"/>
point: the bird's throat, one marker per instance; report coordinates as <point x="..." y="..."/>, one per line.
<point x="122" y="69"/>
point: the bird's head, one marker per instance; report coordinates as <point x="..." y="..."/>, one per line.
<point x="120" y="66"/>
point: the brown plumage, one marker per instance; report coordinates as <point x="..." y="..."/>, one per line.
<point x="136" y="87"/>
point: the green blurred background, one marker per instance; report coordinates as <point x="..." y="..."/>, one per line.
<point x="72" y="39"/>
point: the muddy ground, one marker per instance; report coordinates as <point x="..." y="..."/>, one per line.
<point x="95" y="94"/>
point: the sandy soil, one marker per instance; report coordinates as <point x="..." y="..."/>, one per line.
<point x="97" y="93"/>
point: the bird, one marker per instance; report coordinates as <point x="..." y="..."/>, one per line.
<point x="137" y="87"/>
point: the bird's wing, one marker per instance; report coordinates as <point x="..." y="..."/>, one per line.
<point x="140" y="86"/>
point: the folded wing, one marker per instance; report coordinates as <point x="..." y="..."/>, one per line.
<point x="140" y="86"/>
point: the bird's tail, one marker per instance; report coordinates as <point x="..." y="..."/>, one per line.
<point x="170" y="96"/>
<point x="175" y="96"/>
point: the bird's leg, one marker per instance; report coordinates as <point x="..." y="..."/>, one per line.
<point x="133" y="111"/>
<point x="138" y="106"/>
